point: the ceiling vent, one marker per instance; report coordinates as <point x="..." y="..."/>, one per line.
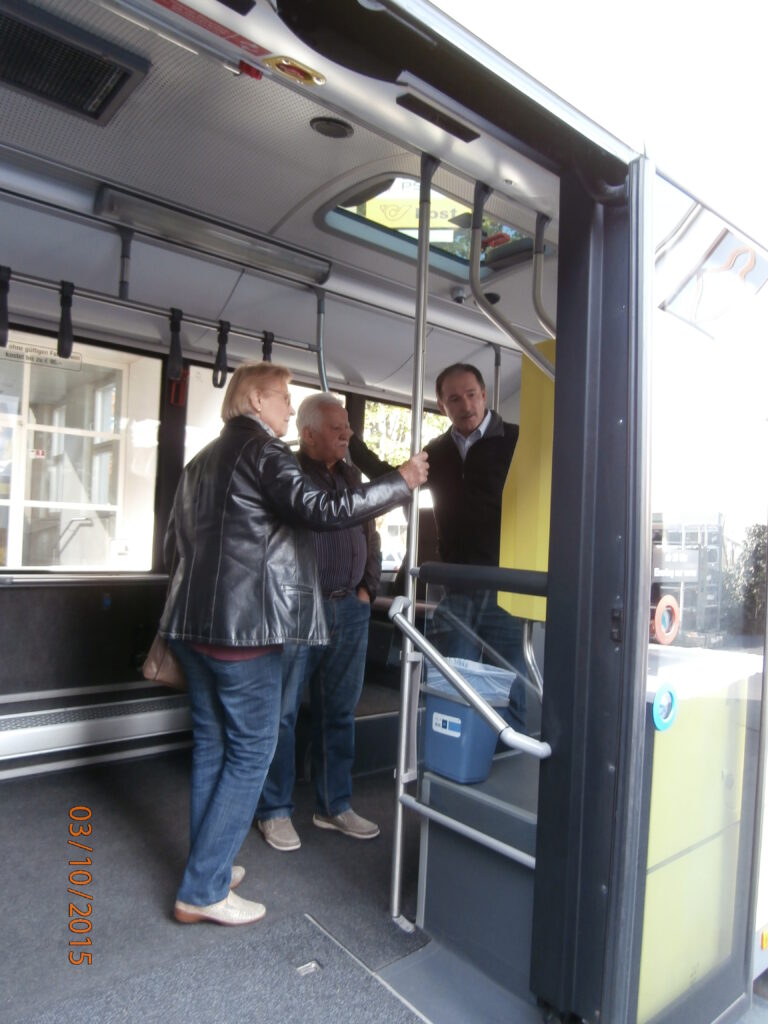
<point x="62" y="64"/>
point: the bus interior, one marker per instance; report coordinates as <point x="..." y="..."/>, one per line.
<point x="366" y="193"/>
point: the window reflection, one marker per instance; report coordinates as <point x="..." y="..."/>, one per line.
<point x="85" y="398"/>
<point x="709" y="427"/>
<point x="709" y="496"/>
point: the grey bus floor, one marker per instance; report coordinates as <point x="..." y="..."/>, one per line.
<point x="327" y="950"/>
<point x="326" y="898"/>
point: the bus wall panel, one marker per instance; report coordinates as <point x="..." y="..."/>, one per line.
<point x="57" y="638"/>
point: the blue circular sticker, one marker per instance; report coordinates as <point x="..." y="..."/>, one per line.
<point x="664" y="708"/>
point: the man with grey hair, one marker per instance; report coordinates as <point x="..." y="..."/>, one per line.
<point x="349" y="567"/>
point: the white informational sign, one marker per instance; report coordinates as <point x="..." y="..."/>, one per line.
<point x="40" y="355"/>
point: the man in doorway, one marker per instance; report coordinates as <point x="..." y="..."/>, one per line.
<point x="468" y="467"/>
<point x="349" y="566"/>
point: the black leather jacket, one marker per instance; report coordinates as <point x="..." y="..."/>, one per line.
<point x="243" y="560"/>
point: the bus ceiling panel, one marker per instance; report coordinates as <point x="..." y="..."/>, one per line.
<point x="451" y="308"/>
<point x="39" y="244"/>
<point x="266" y="303"/>
<point x="192" y="133"/>
<point x="384" y="44"/>
<point x="242" y="151"/>
<point x="371" y="104"/>
<point x="164" y="276"/>
<point x="384" y="81"/>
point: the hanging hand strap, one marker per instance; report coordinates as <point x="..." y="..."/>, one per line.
<point x="220" y="366"/>
<point x="66" y="339"/>
<point x="5" y="277"/>
<point x="266" y="347"/>
<point x="174" y="366"/>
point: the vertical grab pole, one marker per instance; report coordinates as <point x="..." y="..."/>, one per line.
<point x="409" y="664"/>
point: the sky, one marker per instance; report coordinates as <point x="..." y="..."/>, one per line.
<point x="683" y="82"/>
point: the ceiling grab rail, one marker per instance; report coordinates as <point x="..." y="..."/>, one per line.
<point x="509" y="737"/>
<point x="410" y="663"/>
<point x="105" y="299"/>
<point x="538" y="267"/>
<point x="494" y="315"/>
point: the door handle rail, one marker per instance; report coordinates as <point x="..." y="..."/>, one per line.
<point x="508" y="736"/>
<point x="511" y="852"/>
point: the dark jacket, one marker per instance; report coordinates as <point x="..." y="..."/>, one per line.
<point x="466" y="496"/>
<point x="319" y="475"/>
<point x="239" y="539"/>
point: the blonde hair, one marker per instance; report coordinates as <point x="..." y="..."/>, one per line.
<point x="250" y="377"/>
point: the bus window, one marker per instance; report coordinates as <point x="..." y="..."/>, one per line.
<point x="78" y="453"/>
<point x="204" y="410"/>
<point x="387" y="432"/>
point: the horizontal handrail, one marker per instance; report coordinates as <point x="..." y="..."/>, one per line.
<point x="485" y="577"/>
<point x="512" y="852"/>
<point x="60" y="579"/>
<point x="508" y="736"/>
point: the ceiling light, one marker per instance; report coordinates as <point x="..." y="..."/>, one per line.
<point x="332" y="127"/>
<point x="206" y="236"/>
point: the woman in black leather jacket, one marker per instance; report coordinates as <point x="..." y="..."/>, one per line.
<point x="244" y="582"/>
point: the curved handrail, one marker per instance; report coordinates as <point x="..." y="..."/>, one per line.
<point x="508" y="736"/>
<point x="494" y="315"/>
<point x="544" y="318"/>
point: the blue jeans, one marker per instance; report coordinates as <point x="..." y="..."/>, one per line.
<point x="335" y="677"/>
<point x="480" y="612"/>
<point x="235" y="716"/>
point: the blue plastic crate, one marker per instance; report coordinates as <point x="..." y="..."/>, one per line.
<point x="458" y="743"/>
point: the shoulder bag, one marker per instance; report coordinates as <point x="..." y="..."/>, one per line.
<point x="162" y="666"/>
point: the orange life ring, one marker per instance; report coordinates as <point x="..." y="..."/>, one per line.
<point x="666" y="620"/>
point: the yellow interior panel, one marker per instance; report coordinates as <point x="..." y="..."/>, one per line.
<point x="528" y="490"/>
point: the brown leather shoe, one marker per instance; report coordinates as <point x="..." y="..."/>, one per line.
<point x="232" y="910"/>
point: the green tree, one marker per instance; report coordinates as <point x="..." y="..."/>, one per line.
<point x="388" y="430"/>
<point x="744" y="583"/>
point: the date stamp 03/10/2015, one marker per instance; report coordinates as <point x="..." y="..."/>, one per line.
<point x="80" y="878"/>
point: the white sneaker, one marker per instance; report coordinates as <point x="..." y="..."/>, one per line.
<point x="238" y="874"/>
<point x="233" y="909"/>
<point x="349" y="823"/>
<point x="280" y="834"/>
